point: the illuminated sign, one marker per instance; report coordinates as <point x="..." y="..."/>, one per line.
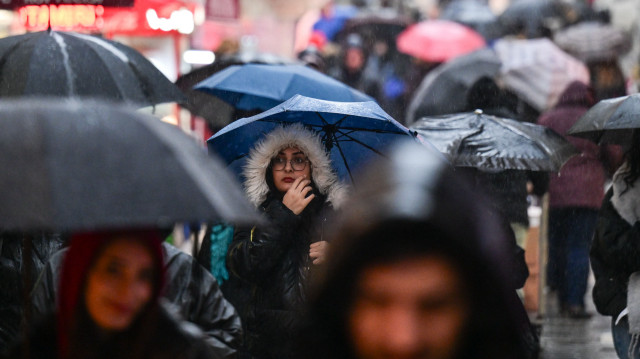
<point x="180" y="20"/>
<point x="151" y="18"/>
<point x="14" y="4"/>
<point x="66" y="17"/>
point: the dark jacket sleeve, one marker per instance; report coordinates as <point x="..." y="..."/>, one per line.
<point x="256" y="251"/>
<point x="614" y="256"/>
<point x="196" y="294"/>
<point x="44" y="293"/>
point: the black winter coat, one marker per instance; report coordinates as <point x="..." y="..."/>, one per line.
<point x="615" y="253"/>
<point x="192" y="290"/>
<point x="276" y="263"/>
<point x="16" y="273"/>
<point x="168" y="338"/>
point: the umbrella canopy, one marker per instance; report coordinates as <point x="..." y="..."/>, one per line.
<point x="444" y="90"/>
<point x="67" y="64"/>
<point x="80" y="165"/>
<point x="352" y="132"/>
<point x="438" y="40"/>
<point x="609" y="121"/>
<point x="475" y="14"/>
<point x="381" y="24"/>
<point x="540" y="18"/>
<point x="594" y="41"/>
<point x="217" y="112"/>
<point x="537" y="70"/>
<point x="261" y="87"/>
<point x="494" y="143"/>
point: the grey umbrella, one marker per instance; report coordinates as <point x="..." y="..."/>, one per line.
<point x="609" y="121"/>
<point x="488" y="142"/>
<point x="71" y="165"/>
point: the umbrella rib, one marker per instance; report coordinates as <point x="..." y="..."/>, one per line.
<point x="361" y="143"/>
<point x="344" y="159"/>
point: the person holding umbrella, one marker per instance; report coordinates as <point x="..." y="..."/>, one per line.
<point x="575" y="195"/>
<point x="614" y="254"/>
<point x="109" y="304"/>
<point x="290" y="178"/>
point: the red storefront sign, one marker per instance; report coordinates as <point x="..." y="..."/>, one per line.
<point x="62" y="17"/>
<point x="222" y="10"/>
<point x="14" y="4"/>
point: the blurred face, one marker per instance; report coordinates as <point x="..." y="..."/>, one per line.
<point x="284" y="177"/>
<point x="354" y="59"/>
<point x="119" y="284"/>
<point x="414" y="308"/>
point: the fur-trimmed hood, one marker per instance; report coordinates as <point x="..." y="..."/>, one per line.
<point x="294" y="135"/>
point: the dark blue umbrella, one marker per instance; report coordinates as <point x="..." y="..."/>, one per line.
<point x="352" y="132"/>
<point x="262" y="86"/>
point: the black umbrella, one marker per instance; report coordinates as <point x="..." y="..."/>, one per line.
<point x="487" y="142"/>
<point x="609" y="121"/>
<point x="67" y="64"/>
<point x="540" y="18"/>
<point x="444" y="90"/>
<point x="475" y="14"/>
<point x="382" y="24"/>
<point x="215" y="111"/>
<point x="81" y="165"/>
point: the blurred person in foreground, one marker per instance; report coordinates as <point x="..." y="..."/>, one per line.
<point x="416" y="270"/>
<point x="191" y="292"/>
<point x="109" y="304"/>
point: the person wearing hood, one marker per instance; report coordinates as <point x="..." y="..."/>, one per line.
<point x="417" y="269"/>
<point x="575" y="195"/>
<point x="289" y="177"/>
<point x="109" y="304"/>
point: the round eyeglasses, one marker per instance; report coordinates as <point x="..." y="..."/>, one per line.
<point x="297" y="163"/>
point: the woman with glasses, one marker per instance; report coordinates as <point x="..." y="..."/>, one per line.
<point x="289" y="177"/>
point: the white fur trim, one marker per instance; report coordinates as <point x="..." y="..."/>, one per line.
<point x="626" y="204"/>
<point x="294" y="135"/>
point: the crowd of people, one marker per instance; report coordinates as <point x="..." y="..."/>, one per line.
<point x="418" y="260"/>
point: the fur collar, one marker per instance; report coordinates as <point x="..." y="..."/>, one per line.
<point x="626" y="204"/>
<point x="294" y="135"/>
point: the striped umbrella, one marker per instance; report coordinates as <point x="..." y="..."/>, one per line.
<point x="594" y="41"/>
<point x="537" y="70"/>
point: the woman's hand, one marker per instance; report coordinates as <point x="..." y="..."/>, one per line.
<point x="318" y="251"/>
<point x="296" y="197"/>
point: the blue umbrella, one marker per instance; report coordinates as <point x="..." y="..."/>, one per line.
<point x="263" y="86"/>
<point x="352" y="132"/>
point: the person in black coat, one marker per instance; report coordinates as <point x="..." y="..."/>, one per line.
<point x="615" y="253"/>
<point x="289" y="177"/>
<point x="191" y="291"/>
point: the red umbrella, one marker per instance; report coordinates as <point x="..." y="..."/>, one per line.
<point x="439" y="40"/>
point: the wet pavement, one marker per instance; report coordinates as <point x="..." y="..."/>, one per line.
<point x="566" y="338"/>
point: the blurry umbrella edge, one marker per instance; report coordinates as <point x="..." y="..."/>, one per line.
<point x="82" y="165"/>
<point x="68" y="64"/>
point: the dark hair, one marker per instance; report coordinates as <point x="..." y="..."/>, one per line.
<point x="632" y="157"/>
